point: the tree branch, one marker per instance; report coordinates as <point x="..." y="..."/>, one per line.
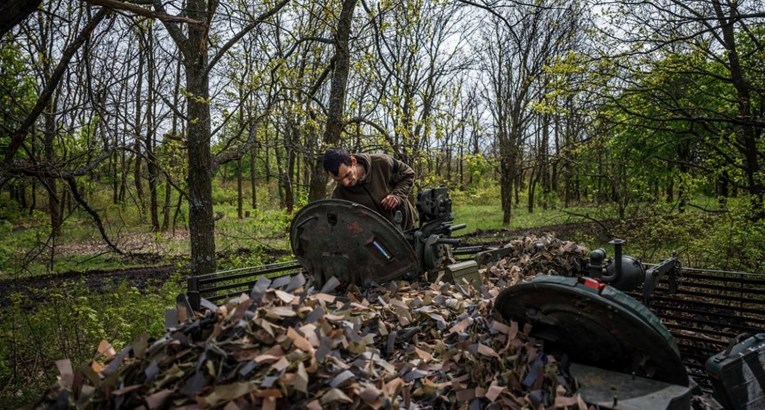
<point x="174" y="31"/>
<point x="13" y="12"/>
<point x="238" y="36"/>
<point x="378" y="127"/>
<point x="136" y="9"/>
<point x="73" y="187"/>
<point x="22" y="131"/>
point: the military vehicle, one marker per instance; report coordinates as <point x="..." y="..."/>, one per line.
<point x="637" y="336"/>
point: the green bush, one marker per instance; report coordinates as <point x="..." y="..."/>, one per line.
<point x="488" y="195"/>
<point x="241" y="258"/>
<point x="726" y="239"/>
<point x="732" y="242"/>
<point x="40" y="327"/>
<point x="9" y="211"/>
<point x="15" y="241"/>
<point x="222" y="195"/>
<point x="663" y="231"/>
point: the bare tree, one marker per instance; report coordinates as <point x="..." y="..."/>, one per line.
<point x="341" y="66"/>
<point x="61" y="137"/>
<point x="518" y="45"/>
<point x="193" y="44"/>
<point x="52" y="80"/>
<point x="417" y="52"/>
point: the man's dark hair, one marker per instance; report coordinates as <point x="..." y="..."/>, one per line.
<point x="334" y="157"/>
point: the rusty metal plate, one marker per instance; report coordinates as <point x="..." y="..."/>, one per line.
<point x="351" y="242"/>
<point x="595" y="325"/>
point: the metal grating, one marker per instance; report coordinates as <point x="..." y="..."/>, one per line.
<point x="222" y="285"/>
<point x="710" y="308"/>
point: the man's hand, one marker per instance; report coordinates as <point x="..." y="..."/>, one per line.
<point x="390" y="202"/>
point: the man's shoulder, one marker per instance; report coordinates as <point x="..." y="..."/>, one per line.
<point x="380" y="158"/>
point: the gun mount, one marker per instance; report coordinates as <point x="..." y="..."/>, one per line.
<point x="606" y="335"/>
<point x="626" y="273"/>
<point x="357" y="245"/>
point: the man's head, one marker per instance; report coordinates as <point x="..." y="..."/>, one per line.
<point x="342" y="167"/>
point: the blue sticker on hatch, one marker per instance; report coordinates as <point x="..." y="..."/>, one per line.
<point x="381" y="249"/>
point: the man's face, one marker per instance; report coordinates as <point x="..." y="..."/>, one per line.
<point x="347" y="175"/>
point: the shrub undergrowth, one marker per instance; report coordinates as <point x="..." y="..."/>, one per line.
<point x="41" y="326"/>
<point x="725" y="239"/>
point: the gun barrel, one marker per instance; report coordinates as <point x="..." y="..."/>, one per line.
<point x="457" y="227"/>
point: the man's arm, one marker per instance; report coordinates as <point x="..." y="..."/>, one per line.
<point x="402" y="179"/>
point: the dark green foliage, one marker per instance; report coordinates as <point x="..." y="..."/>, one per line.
<point x="45" y="325"/>
<point x="726" y="240"/>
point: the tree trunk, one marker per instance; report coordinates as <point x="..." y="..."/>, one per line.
<point x="174" y="132"/>
<point x="239" y="193"/>
<point x="125" y="160"/>
<point x="279" y="170"/>
<point x="137" y="151"/>
<point x="448" y="157"/>
<point x="532" y="188"/>
<point x="201" y="220"/>
<point x="334" y="126"/>
<point x="33" y="194"/>
<point x="114" y="177"/>
<point x="253" y="153"/>
<point x="506" y="189"/>
<point x="54" y="204"/>
<point x="289" y="172"/>
<point x="151" y="136"/>
<point x="749" y="134"/>
<point x="544" y="172"/>
<point x="555" y="164"/>
<point x="167" y="206"/>
<point x="723" y="188"/>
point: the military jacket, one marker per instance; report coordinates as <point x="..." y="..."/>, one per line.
<point x="384" y="175"/>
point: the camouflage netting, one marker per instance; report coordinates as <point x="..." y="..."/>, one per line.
<point x="286" y="345"/>
<point x="531" y="256"/>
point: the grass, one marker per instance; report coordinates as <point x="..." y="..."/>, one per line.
<point x="68" y="322"/>
<point x="244" y="242"/>
<point x="698" y="237"/>
<point x="488" y="217"/>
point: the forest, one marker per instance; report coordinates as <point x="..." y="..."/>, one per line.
<point x="131" y="130"/>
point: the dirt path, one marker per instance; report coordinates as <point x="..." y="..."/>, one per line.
<point x="95" y="279"/>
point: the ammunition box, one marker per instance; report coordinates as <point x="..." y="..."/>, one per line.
<point x="738" y="374"/>
<point x="467" y="270"/>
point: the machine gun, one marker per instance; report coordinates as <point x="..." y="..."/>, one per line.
<point x="432" y="241"/>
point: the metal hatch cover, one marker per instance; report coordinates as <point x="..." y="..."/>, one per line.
<point x="595" y="325"/>
<point x="335" y="237"/>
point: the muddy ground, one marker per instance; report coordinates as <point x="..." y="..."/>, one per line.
<point x="145" y="277"/>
